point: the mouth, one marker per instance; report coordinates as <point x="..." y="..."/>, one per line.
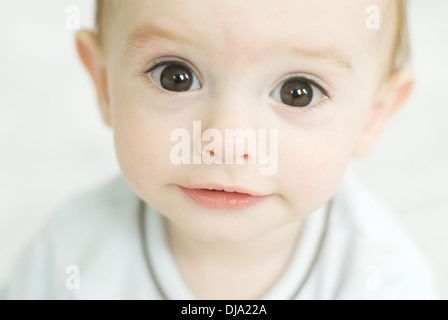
<point x="214" y="196"/>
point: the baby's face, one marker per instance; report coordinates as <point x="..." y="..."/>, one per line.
<point x="308" y="70"/>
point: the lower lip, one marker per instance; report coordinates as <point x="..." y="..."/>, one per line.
<point x="222" y="200"/>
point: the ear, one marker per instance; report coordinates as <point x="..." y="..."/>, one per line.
<point x="390" y="98"/>
<point x="89" y="50"/>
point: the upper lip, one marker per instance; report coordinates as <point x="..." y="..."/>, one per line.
<point x="220" y="187"/>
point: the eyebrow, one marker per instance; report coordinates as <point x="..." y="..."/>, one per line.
<point x="140" y="36"/>
<point x="332" y="55"/>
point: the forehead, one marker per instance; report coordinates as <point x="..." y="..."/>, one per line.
<point x="249" y="29"/>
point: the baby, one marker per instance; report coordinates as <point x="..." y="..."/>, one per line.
<point x="234" y="124"/>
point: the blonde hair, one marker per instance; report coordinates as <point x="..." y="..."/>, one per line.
<point x="401" y="47"/>
<point x="400" y="51"/>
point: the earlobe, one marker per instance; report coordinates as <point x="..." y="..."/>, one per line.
<point x="90" y="53"/>
<point x="392" y="96"/>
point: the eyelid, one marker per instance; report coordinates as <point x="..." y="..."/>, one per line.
<point x="159" y="62"/>
<point x="154" y="64"/>
<point x="309" y="78"/>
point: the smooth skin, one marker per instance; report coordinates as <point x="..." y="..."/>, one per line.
<point x="240" y="52"/>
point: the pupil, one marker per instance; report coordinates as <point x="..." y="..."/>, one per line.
<point x="296" y="93"/>
<point x="176" y="78"/>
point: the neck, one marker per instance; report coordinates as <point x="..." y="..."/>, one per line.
<point x="211" y="269"/>
<point x="263" y="247"/>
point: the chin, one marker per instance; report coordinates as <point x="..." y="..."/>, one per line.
<point x="224" y="231"/>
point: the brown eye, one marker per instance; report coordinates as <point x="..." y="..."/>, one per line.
<point x="175" y="77"/>
<point x="297" y="92"/>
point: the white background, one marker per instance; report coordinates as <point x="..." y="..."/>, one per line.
<point x="53" y="143"/>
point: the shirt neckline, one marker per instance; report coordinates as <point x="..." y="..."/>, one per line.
<point x="170" y="279"/>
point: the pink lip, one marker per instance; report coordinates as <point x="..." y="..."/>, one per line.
<point x="214" y="196"/>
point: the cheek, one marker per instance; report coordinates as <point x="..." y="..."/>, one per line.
<point x="312" y="161"/>
<point x="142" y="141"/>
<point x="138" y="155"/>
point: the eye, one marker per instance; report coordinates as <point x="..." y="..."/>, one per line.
<point x="174" y="76"/>
<point x="298" y="92"/>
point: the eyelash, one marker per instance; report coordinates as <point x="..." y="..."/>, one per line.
<point x="312" y="82"/>
<point x="153" y="64"/>
<point x="312" y="108"/>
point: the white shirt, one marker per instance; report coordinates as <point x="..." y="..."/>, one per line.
<point x="92" y="249"/>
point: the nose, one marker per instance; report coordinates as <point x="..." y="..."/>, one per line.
<point x="228" y="131"/>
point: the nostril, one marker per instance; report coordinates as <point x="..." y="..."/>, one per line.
<point x="212" y="153"/>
